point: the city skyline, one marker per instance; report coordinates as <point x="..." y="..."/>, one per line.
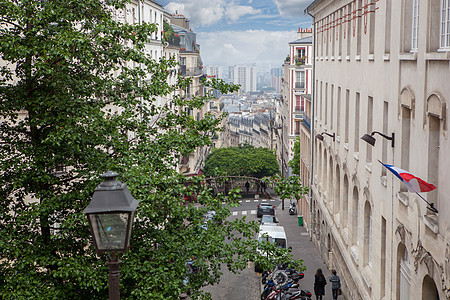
<point x="243" y="32"/>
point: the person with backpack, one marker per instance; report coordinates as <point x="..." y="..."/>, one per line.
<point x="335" y="285"/>
<point x="319" y="284"/>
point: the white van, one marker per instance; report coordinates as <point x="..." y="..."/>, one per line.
<point x="275" y="234"/>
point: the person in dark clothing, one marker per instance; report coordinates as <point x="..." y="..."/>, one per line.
<point x="247" y="186"/>
<point x="319" y="284"/>
<point x="263" y="187"/>
<point x="335" y="284"/>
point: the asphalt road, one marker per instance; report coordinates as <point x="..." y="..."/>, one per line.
<point x="247" y="284"/>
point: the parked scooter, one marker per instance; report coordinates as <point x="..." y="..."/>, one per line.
<point x="292" y="208"/>
<point x="278" y="293"/>
<point x="282" y="283"/>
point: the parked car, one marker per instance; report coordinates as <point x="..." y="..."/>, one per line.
<point x="273" y="234"/>
<point x="268" y="220"/>
<point x="265" y="209"/>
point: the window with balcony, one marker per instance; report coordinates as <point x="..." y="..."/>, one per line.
<point x="299" y="79"/>
<point x="299" y="104"/>
<point x="301" y="52"/>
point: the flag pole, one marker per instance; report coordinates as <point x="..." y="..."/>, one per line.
<point x="431" y="205"/>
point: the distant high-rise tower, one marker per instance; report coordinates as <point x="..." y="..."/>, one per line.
<point x="214" y="70"/>
<point x="275" y="78"/>
<point x="243" y="75"/>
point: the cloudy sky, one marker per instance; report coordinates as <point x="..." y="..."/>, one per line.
<point x="243" y="31"/>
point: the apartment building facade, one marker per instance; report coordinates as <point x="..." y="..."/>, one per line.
<point x="191" y="66"/>
<point x="296" y="85"/>
<point x="382" y="66"/>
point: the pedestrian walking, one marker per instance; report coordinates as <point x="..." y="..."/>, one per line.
<point x="247" y="186"/>
<point x="319" y="284"/>
<point x="335" y="285"/>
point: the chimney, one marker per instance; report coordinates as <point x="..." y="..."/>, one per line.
<point x="304" y="32"/>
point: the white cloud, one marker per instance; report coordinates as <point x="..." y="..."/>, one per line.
<point x="209" y="12"/>
<point x="292" y="7"/>
<point x="234" y="12"/>
<point x="245" y="47"/>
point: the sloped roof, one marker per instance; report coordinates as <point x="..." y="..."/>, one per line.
<point x="306" y="40"/>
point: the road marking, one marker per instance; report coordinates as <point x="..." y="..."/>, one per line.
<point x="253" y="212"/>
<point x="244" y="212"/>
<point x="247" y="200"/>
<point x="255" y="200"/>
<point x="272" y="200"/>
<point x="240" y="201"/>
<point x="235" y="213"/>
<point x="304" y="233"/>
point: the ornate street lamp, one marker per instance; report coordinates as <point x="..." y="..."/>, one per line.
<point x="110" y="215"/>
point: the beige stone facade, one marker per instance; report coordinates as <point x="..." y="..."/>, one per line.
<point x="382" y="66"/>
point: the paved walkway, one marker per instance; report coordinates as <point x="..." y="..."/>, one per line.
<point x="303" y="248"/>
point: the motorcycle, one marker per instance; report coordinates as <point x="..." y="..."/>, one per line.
<point x="271" y="288"/>
<point x="279" y="293"/>
<point x="282" y="283"/>
<point x="296" y="294"/>
<point x="292" y="208"/>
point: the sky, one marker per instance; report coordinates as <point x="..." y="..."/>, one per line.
<point x="233" y="32"/>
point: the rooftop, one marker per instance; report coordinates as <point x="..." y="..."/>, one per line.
<point x="306" y="40"/>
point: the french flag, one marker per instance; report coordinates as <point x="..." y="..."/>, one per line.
<point x="413" y="183"/>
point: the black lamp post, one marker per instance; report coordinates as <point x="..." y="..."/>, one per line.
<point x="371" y="140"/>
<point x="319" y="136"/>
<point x="110" y="215"/>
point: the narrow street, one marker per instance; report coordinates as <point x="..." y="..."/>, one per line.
<point x="247" y="284"/>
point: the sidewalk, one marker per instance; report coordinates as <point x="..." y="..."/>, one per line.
<point x="303" y="248"/>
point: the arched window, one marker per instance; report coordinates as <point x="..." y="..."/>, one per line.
<point x="319" y="161"/>
<point x="436" y="111"/>
<point x="337" y="192"/>
<point x="429" y="289"/>
<point x="344" y="216"/>
<point x="367" y="234"/>
<point x="355" y="216"/>
<point x="330" y="180"/>
<point x="324" y="170"/>
<point x="403" y="273"/>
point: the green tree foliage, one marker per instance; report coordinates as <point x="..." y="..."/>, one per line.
<point x="245" y="160"/>
<point x="288" y="188"/>
<point x="75" y="101"/>
<point x="294" y="163"/>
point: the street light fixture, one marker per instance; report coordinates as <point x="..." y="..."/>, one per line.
<point x="371" y="140"/>
<point x="110" y="215"/>
<point x="319" y="136"/>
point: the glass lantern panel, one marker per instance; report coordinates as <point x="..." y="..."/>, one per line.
<point x="130" y="228"/>
<point x="110" y="230"/>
